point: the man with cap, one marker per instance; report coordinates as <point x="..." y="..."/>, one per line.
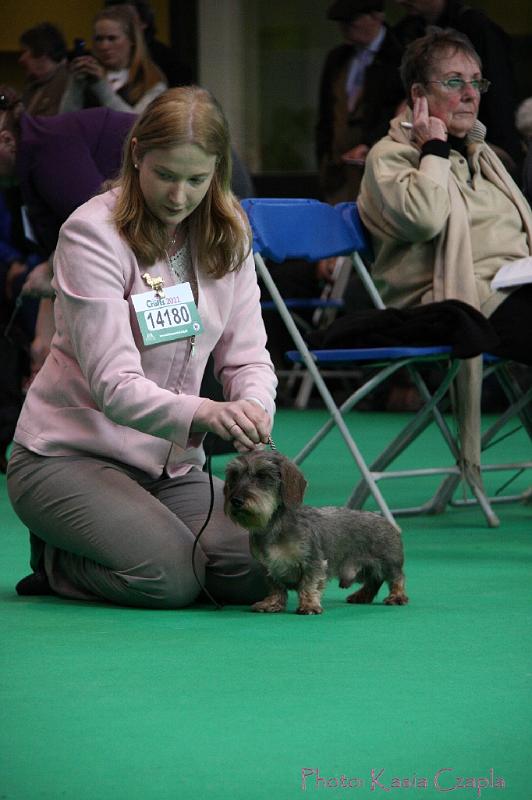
<point x="359" y="93"/>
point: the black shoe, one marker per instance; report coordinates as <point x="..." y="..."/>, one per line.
<point x="34" y="584"/>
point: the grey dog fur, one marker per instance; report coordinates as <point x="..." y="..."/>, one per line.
<point x="303" y="546"/>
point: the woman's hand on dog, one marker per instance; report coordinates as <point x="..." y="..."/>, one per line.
<point x="244" y="422"/>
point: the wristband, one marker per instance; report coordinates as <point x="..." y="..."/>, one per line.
<point x="436" y="147"/>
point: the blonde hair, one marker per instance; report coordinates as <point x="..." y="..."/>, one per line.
<point x="143" y="73"/>
<point x="218" y="227"/>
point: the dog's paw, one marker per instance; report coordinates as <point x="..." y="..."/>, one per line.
<point x="361" y="597"/>
<point x="267" y="607"/>
<point x="396" y="600"/>
<point x="309" y="610"/>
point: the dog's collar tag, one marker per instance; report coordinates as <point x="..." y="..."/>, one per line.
<point x="169" y="317"/>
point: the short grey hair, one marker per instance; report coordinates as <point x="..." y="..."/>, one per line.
<point x="421" y="54"/>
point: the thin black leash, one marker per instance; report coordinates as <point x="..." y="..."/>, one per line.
<point x="204" y="589"/>
<point x="218" y="606"/>
<point x="11" y="321"/>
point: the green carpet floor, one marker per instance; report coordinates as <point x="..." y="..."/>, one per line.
<point x="423" y="701"/>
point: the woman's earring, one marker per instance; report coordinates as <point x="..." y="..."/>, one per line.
<point x="136" y="166"/>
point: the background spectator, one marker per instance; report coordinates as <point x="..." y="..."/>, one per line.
<point x="524" y="126"/>
<point x="16" y="260"/>
<point x="523" y="119"/>
<point x="43" y="154"/>
<point x="43" y="59"/>
<point x="443" y="213"/>
<point x="177" y="73"/>
<point x="359" y="94"/>
<point x="119" y="74"/>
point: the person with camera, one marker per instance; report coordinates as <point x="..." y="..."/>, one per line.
<point x="176" y="71"/>
<point x="151" y="277"/>
<point x="119" y="73"/>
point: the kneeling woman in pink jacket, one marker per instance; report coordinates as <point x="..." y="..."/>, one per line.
<point x="151" y="277"/>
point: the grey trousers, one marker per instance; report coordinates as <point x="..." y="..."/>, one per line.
<point x="106" y="531"/>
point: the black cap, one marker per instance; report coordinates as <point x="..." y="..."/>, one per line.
<point x="346" y="10"/>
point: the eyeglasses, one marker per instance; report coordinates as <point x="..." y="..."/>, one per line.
<point x="456" y="85"/>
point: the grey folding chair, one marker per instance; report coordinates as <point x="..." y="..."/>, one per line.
<point x="324" y="309"/>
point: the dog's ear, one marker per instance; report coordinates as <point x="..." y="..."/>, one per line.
<point x="293" y="484"/>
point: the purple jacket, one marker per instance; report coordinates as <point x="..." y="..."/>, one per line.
<point x="62" y="161"/>
<point x="101" y="391"/>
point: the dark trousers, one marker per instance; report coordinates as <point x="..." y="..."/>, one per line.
<point x="513" y="322"/>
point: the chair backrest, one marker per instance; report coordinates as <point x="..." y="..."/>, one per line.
<point x="287" y="228"/>
<point x="351" y="216"/>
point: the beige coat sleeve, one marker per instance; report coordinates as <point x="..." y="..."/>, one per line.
<point x="403" y="196"/>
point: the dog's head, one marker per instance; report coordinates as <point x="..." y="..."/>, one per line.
<point x="259" y="483"/>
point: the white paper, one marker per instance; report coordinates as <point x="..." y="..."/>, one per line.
<point x="513" y="273"/>
<point x="27" y="226"/>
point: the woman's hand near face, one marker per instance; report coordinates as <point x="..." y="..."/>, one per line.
<point x="244" y="422"/>
<point x="424" y="127"/>
<point x="87" y="68"/>
<point x="357" y="155"/>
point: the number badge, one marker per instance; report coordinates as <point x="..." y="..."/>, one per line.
<point x="165" y="319"/>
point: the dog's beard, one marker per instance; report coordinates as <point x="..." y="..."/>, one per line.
<point x="256" y="512"/>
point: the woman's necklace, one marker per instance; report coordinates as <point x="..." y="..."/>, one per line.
<point x="180" y="262"/>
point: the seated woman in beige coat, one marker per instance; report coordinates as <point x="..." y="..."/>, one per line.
<point x="151" y="277"/>
<point x="443" y="212"/>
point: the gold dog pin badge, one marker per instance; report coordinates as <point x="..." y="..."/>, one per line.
<point x="156" y="284"/>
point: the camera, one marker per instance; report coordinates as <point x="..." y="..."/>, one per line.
<point x="79" y="48"/>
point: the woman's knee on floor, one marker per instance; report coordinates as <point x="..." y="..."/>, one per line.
<point x="168" y="590"/>
<point x="162" y="577"/>
<point x="167" y="579"/>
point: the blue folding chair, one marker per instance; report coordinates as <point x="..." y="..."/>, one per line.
<point x="312" y="314"/>
<point x="285" y="229"/>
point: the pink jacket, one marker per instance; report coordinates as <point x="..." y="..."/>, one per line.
<point x="101" y="391"/>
